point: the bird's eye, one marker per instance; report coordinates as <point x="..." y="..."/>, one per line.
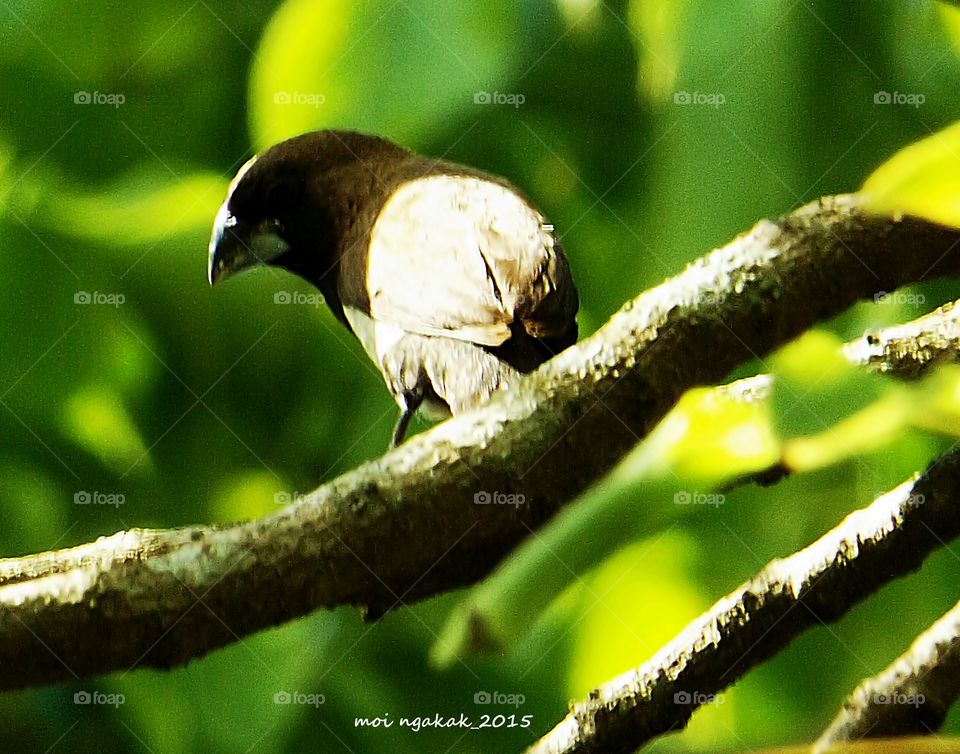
<point x="275" y="226"/>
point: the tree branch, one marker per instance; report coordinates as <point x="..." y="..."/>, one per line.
<point x="911" y="349"/>
<point x="907" y="351"/>
<point x="912" y="696"/>
<point x="404" y="527"/>
<point x="869" y="548"/>
<point x="502" y="609"/>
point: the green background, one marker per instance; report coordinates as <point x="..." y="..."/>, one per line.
<point x="203" y="405"/>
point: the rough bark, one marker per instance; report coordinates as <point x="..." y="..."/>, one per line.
<point x="816" y="585"/>
<point x="404" y="527"/>
<point x="912" y="696"/>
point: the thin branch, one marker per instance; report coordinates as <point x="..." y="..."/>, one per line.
<point x="816" y="585"/>
<point x="910" y="350"/>
<point x="404" y="527"/>
<point x="906" y="351"/>
<point x="912" y="696"/>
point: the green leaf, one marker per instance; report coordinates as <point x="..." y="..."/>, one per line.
<point x="501" y="610"/>
<point x="138" y="211"/>
<point x="922" y="179"/>
<point x="248" y="495"/>
<point x="866" y="431"/>
<point x="31" y="505"/>
<point x="815" y="386"/>
<point x="951" y="20"/>
<point x="709" y="437"/>
<point x="935" y="403"/>
<point x="6" y="177"/>
<point x="97" y="420"/>
<point x="656" y="26"/>
<point x="381" y="67"/>
<point x="227" y="699"/>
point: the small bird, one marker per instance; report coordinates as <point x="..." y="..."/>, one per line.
<point x="449" y="277"/>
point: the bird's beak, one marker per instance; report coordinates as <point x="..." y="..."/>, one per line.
<point x="235" y="247"/>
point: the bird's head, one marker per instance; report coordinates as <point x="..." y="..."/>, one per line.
<point x="246" y="231"/>
<point x="287" y="206"/>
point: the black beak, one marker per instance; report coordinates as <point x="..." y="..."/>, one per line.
<point x="235" y="247"/>
<point x="224" y="247"/>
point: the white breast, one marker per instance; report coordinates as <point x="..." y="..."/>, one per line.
<point x="377" y="338"/>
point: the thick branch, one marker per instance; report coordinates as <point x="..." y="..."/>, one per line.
<point x="912" y="696"/>
<point x="869" y="548"/>
<point x="404" y="527"/>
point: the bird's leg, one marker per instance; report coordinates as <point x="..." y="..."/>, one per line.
<point x="411" y="403"/>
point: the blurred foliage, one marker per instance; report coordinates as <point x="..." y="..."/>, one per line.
<point x="649" y="132"/>
<point x="821" y="411"/>
<point x="922" y="179"/>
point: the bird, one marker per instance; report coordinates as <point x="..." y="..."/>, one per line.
<point x="450" y="278"/>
